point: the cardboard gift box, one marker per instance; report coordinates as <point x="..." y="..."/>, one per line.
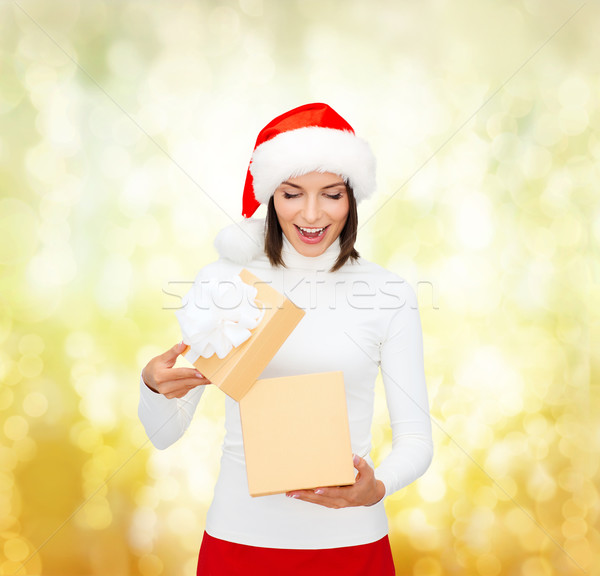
<point x="237" y="372"/>
<point x="296" y="433"/>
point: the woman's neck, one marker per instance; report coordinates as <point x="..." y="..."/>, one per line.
<point x="293" y="259"/>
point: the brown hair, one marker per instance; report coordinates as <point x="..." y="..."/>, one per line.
<point x="274" y="235"/>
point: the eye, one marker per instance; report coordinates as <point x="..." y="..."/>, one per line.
<point x="334" y="196"/>
<point x="290" y="195"/>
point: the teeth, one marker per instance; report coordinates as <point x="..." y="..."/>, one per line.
<point x="312" y="230"/>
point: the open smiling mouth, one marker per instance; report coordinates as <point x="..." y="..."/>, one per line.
<point x="312" y="232"/>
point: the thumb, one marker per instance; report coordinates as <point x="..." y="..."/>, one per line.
<point x="358" y="461"/>
<point x="170" y="356"/>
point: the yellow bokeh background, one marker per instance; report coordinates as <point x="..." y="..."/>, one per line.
<point x="125" y="132"/>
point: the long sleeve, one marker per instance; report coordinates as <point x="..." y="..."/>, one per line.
<point x="166" y="420"/>
<point x="403" y="375"/>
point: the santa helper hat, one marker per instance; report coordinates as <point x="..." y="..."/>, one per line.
<point x="310" y="138"/>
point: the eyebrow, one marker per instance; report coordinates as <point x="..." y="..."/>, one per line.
<point x="341" y="183"/>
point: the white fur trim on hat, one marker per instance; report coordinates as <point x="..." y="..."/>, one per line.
<point x="313" y="149"/>
<point x="243" y="241"/>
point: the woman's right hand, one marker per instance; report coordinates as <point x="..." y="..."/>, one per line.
<point x="160" y="376"/>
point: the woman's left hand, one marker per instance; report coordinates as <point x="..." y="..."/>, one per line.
<point x="365" y="491"/>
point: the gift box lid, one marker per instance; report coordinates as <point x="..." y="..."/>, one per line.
<point x="236" y="373"/>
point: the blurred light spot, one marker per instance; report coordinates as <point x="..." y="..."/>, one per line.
<point x="488" y="565"/>
<point x="537" y="567"/>
<point x="432" y="487"/>
<point x="224" y="21"/>
<point x="16" y="549"/>
<point x="574" y="528"/>
<point x="16" y="427"/>
<point x="182" y="520"/>
<point x="485" y="497"/>
<point x="9" y="373"/>
<point x="30" y="366"/>
<point x="153" y="118"/>
<point x="150" y="565"/>
<point x="35" y="404"/>
<point x="567" y="230"/>
<point x="537" y="162"/>
<point x="115" y="162"/>
<point x="80" y="345"/>
<point x="541" y="487"/>
<point x="547" y="131"/>
<point x="85" y="437"/>
<point x="55" y="121"/>
<point x="6" y="324"/>
<point x="252" y="7"/>
<point x="136" y="193"/>
<point x="259" y="69"/>
<point x="427" y="566"/>
<point x="12" y="88"/>
<point x="146" y="496"/>
<point x="143" y="526"/>
<point x="31" y="344"/>
<point x="45" y="164"/>
<point x="473" y="221"/>
<point x="6" y="398"/>
<point x="145" y="230"/>
<point x="580" y="550"/>
<point x="506" y="146"/>
<point x="469" y="283"/>
<point x="507" y="487"/>
<point x="119" y="240"/>
<point x="573" y="121"/>
<point x="40" y="80"/>
<point x="101" y="119"/>
<point x="125" y="132"/>
<point x="19" y="237"/>
<point x="98" y="401"/>
<point x="25" y="449"/>
<point x="486" y="371"/>
<point x="97" y="514"/>
<point x="54" y="265"/>
<point x="124" y="59"/>
<point x="429" y="230"/>
<point x="574" y="91"/>
<point x="539" y="277"/>
<point x="168" y="488"/>
<point x="569" y="507"/>
<point x="113" y="287"/>
<point x="516" y="106"/>
<point x="8" y="459"/>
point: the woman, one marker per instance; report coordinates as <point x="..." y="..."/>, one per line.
<point x="310" y="169"/>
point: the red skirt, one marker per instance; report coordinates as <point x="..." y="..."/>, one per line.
<point x="222" y="558"/>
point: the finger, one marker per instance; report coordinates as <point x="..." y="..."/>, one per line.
<point x="363" y="467"/>
<point x="170" y="356"/>
<point x="186" y="384"/>
<point x="359" y="463"/>
<point x="310" y="496"/>
<point x="331" y="492"/>
<point x="181" y="373"/>
<point x="178" y="388"/>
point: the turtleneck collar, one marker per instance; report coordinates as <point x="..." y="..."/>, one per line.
<point x="293" y="259"/>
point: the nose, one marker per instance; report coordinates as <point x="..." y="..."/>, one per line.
<point x="311" y="210"/>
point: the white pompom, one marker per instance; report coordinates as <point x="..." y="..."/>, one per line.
<point x="243" y="241"/>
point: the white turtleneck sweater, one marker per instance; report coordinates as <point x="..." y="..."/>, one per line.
<point x="358" y="319"/>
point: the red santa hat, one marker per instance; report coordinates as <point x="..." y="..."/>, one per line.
<point x="310" y="138"/>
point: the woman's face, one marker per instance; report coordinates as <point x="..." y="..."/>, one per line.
<point x="312" y="210"/>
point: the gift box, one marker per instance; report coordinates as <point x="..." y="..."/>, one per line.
<point x="296" y="433"/>
<point x="239" y="369"/>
